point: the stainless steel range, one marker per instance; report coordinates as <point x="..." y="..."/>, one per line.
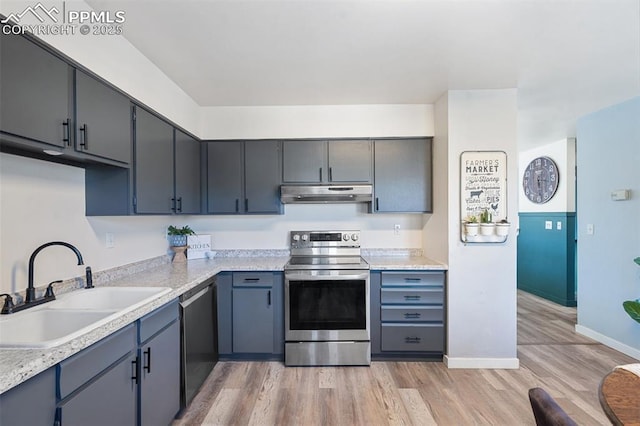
<point x="326" y="300"/>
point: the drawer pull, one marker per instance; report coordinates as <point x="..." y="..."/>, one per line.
<point x="252" y="279"/>
<point x="412" y="315"/>
<point x="413" y="279"/>
<point x="414" y="340"/>
<point x="412" y="297"/>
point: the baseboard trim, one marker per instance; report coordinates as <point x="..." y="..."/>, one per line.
<point x="478" y="363"/>
<point x="608" y="341"/>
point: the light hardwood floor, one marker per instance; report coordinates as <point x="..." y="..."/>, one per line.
<point x="552" y="356"/>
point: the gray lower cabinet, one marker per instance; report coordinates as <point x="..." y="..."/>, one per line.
<point x="103" y="120"/>
<point x="250" y="315"/>
<point x="326" y="162"/>
<point x="243" y="177"/>
<point x="408" y="313"/>
<point x="402" y="175"/>
<point x="32" y="403"/>
<point x="35" y="93"/>
<point x="129" y="378"/>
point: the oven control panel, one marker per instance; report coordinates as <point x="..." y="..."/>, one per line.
<point x="310" y="239"/>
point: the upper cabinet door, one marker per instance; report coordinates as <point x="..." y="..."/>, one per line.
<point x="154" y="164"/>
<point x="103" y="120"/>
<point x="187" y="159"/>
<point x="304" y="161"/>
<point x="262" y="177"/>
<point x="402" y="180"/>
<point x="224" y="177"/>
<point x="35" y="93"/>
<point x="350" y="161"/>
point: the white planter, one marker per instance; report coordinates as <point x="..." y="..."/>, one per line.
<point x="487" y="228"/>
<point x="502" y="229"/>
<point x="472" y="229"/>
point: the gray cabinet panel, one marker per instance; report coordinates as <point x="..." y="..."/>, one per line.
<point x="413" y="337"/>
<point x="32" y="403"/>
<point x="187" y="176"/>
<point x="224" y="177"/>
<point x="402" y="177"/>
<point x="109" y="400"/>
<point x="252" y="320"/>
<point x="103" y="121"/>
<point x="375" y="321"/>
<point x="154" y="164"/>
<point x="304" y="161"/>
<point x="160" y="381"/>
<point x="34" y="92"/>
<point x="225" y="317"/>
<point x="277" y="300"/>
<point x="262" y="177"/>
<point x="350" y="161"/>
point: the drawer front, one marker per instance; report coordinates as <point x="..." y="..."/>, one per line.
<point x="253" y="279"/>
<point x="403" y="279"/>
<point x="85" y="365"/>
<point x="155" y="321"/>
<point x="413" y="337"/>
<point x="428" y="295"/>
<point x="412" y="313"/>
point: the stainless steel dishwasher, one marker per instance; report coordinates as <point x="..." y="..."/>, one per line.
<point x="199" y="340"/>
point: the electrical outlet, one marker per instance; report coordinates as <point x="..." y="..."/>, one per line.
<point x="559" y="225"/>
<point x="548" y="224"/>
<point x="589" y="228"/>
<point x="396" y="229"/>
<point x="109" y="240"/>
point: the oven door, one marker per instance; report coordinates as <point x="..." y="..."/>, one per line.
<point x="326" y="305"/>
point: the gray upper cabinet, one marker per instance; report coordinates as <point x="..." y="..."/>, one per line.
<point x="103" y="121"/>
<point x="187" y="174"/>
<point x="402" y="181"/>
<point x="304" y="161"/>
<point x="349" y="161"/>
<point x="326" y="162"/>
<point x="153" y="164"/>
<point x="34" y="93"/>
<point x="243" y="177"/>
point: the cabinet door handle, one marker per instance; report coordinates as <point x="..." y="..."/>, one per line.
<point x="377" y="204"/>
<point x="147" y="362"/>
<point x="330" y="174"/>
<point x="134" y="371"/>
<point x="320" y="174"/>
<point x="269" y="297"/>
<point x="246" y="204"/>
<point x="237" y="205"/>
<point x="173" y="205"/>
<point x="84" y="143"/>
<point x="180" y="204"/>
<point x="67" y="132"/>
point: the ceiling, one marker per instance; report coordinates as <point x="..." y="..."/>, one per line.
<point x="566" y="57"/>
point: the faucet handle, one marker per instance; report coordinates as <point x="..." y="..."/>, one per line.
<point x="8" y="304"/>
<point x="89" y="277"/>
<point x="49" y="292"/>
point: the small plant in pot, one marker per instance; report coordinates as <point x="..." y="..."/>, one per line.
<point x="502" y="227"/>
<point x="178" y="236"/>
<point x="471" y="226"/>
<point x="487" y="227"/>
<point x="632" y="307"/>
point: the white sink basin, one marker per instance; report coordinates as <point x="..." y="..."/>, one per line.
<point x="47" y="327"/>
<point x="116" y="298"/>
<point x="71" y="315"/>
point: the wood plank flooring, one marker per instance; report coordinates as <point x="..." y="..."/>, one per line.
<point x="552" y="356"/>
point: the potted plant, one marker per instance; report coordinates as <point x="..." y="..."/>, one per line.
<point x="471" y="226"/>
<point x="177" y="237"/>
<point x="502" y="228"/>
<point x="487" y="227"/>
<point x="632" y="307"/>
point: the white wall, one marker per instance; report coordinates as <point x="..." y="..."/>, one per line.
<point x="116" y="60"/>
<point x="481" y="312"/>
<point x="319" y="121"/>
<point x="563" y="152"/>
<point x="608" y="152"/>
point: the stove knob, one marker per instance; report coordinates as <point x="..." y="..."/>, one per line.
<point x="345" y="237"/>
<point x="305" y="237"/>
<point x="296" y="237"/>
<point x="354" y="237"/>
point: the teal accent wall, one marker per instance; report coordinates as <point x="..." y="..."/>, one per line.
<point x="547" y="257"/>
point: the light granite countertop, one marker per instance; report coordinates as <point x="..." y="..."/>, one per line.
<point x="18" y="365"/>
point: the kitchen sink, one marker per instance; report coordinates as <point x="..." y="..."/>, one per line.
<point x="72" y="315"/>
<point x="48" y="327"/>
<point x="116" y="298"/>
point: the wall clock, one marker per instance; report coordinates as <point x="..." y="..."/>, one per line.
<point x="540" y="180"/>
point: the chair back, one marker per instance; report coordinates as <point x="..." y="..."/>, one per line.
<point x="546" y="411"/>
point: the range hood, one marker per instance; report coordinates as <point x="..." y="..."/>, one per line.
<point x="290" y="194"/>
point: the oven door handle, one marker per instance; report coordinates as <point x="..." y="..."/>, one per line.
<point x="326" y="275"/>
